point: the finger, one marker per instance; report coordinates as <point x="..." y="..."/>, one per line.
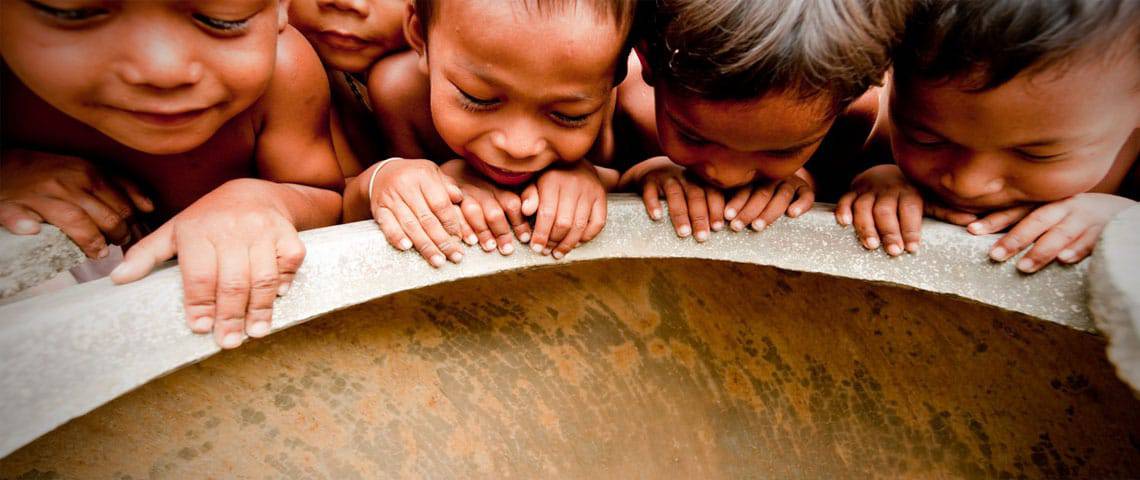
<point x="804" y="199"/>
<point x="148" y="253"/>
<point x="952" y="216"/>
<point x="998" y="221"/>
<point x="198" y="263"/>
<point x="698" y="211"/>
<point x="544" y="217"/>
<point x="496" y="219"/>
<point x="651" y="197"/>
<point x="474" y="215"/>
<point x="886" y="214"/>
<point x="598" y="214"/>
<point x="420" y="239"/>
<point x="454" y="193"/>
<point x="1082" y="247"/>
<point x="581" y="221"/>
<point x="111" y="222"/>
<point x="752" y="209"/>
<point x="1050" y="244"/>
<point x="1027" y="231"/>
<point x="715" y="199"/>
<point x="19" y="219"/>
<point x="139" y="199"/>
<point x="391" y="229"/>
<point x="431" y="225"/>
<point x="843" y="213"/>
<point x="864" y="221"/>
<point x="74" y="222"/>
<point x="568" y="200"/>
<point x="530" y="199"/>
<point x="910" y="219"/>
<point x="776" y="207"/>
<point x="438" y="199"/>
<point x="512" y="206"/>
<point x="232" y="295"/>
<point x="678" y="206"/>
<point x="290" y="256"/>
<point x="739" y="198"/>
<point x="469" y="236"/>
<point x="263" y="280"/>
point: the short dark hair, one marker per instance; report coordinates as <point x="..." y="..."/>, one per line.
<point x="744" y="49"/>
<point x="621" y="12"/>
<point x="988" y="42"/>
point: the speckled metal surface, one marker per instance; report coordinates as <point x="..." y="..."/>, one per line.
<point x="25" y="261"/>
<point x="627" y="368"/>
<point x="1114" y="292"/>
<point x="64" y="354"/>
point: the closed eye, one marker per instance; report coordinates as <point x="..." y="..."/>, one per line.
<point x="221" y="25"/>
<point x="473" y="103"/>
<point x="571" y="120"/>
<point x="68" y="15"/>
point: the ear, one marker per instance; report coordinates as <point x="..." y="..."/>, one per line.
<point x="646" y="71"/>
<point x="414" y="34"/>
<point x="282" y="15"/>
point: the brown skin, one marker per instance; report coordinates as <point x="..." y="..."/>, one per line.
<point x="522" y="118"/>
<point x="1029" y="154"/>
<point x="233" y="180"/>
<point x="735" y="160"/>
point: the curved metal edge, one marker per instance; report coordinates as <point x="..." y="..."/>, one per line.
<point x="28" y="260"/>
<point x="66" y="353"/>
<point x="1114" y="292"/>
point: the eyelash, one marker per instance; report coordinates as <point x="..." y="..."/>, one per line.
<point x="571" y="121"/>
<point x="472" y="103"/>
<point x="225" y="26"/>
<point x="691" y="140"/>
<point x="1039" y="158"/>
<point x="68" y="15"/>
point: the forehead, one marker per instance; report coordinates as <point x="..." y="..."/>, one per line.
<point x="501" y="37"/>
<point x="776" y="121"/>
<point x="1069" y="101"/>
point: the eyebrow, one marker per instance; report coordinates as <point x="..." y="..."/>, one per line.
<point x="693" y="132"/>
<point x="1046" y="142"/>
<point x="487" y="78"/>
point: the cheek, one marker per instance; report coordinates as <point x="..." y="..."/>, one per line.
<point x="453" y="124"/>
<point x="246" y="66"/>
<point x="572" y="145"/>
<point x="1053" y="182"/>
<point x="916" y="164"/>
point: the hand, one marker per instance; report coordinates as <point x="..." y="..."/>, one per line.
<point x="694" y="208"/>
<point x="569" y="204"/>
<point x="71" y="194"/>
<point x="492" y="213"/>
<point x="416" y="205"/>
<point x="1065" y="230"/>
<point x="238" y="250"/>
<point x="886" y="204"/>
<point x="762" y="204"/>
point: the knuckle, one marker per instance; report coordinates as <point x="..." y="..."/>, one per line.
<point x="883" y="210"/>
<point x="263" y="282"/>
<point x="233" y="288"/>
<point x="563" y="223"/>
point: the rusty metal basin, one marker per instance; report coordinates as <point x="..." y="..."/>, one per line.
<point x="627" y="368"/>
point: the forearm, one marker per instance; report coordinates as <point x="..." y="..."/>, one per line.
<point x="356" y="203"/>
<point x="304" y="206"/>
<point x="633" y="176"/>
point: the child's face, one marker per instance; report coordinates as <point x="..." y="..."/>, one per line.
<point x="514" y="91"/>
<point x="350" y="35"/>
<point x="733" y="143"/>
<point x="159" y="77"/>
<point x="1039" y="137"/>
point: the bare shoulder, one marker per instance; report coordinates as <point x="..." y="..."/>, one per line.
<point x="401" y="100"/>
<point x="298" y="74"/>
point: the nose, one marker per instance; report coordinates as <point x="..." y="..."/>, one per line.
<point x="727" y="175"/>
<point x="520" y="141"/>
<point x="161" y="59"/>
<point x="356" y="7"/>
<point x="973" y="176"/>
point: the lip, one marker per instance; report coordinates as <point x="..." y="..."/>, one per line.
<point x="166" y="119"/>
<point x="501" y="176"/>
<point x="342" y="40"/>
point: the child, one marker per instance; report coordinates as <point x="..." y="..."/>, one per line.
<point x="520" y="116"/>
<point x="350" y="36"/>
<point x="1008" y="113"/>
<point x="741" y="94"/>
<point x="219" y="109"/>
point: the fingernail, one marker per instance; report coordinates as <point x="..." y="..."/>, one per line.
<point x="846" y="219"/>
<point x="472" y="239"/>
<point x="119" y="270"/>
<point x="737" y="225"/>
<point x="528" y="204"/>
<point x="283" y="289"/>
<point x="894" y="250"/>
<point x="729" y="213"/>
<point x="999" y="254"/>
<point x="536" y="248"/>
<point x="792" y="212"/>
<point x="702" y="236"/>
<point x="457" y="257"/>
<point x="490" y="245"/>
<point x="525" y="237"/>
<point x="545" y="252"/>
<point x="257" y="329"/>
<point x="718" y="226"/>
<point x="231" y="340"/>
<point x="25" y="227"/>
<point x="202" y="324"/>
<point x="508" y="249"/>
<point x="758" y="224"/>
<point x="1026" y="265"/>
<point x="437" y="260"/>
<point x="657" y="214"/>
<point x="405" y="244"/>
<point x="912" y="247"/>
<point x="872" y="243"/>
<point x="558" y="255"/>
<point x="103" y="252"/>
<point x="1066" y="255"/>
<point x="974" y="228"/>
<point x="684" y="231"/>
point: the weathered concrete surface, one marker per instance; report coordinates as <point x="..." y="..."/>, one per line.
<point x="1114" y="292"/>
<point x="627" y="369"/>
<point x="28" y="260"/>
<point x="66" y="353"/>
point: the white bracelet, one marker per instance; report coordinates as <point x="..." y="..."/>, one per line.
<point x="372" y="179"/>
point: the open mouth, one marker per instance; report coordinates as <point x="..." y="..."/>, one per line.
<point x="501" y="176"/>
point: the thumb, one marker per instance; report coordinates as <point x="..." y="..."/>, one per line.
<point x="141" y="201"/>
<point x="454" y="192"/>
<point x="530" y="200"/>
<point x="151" y="251"/>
